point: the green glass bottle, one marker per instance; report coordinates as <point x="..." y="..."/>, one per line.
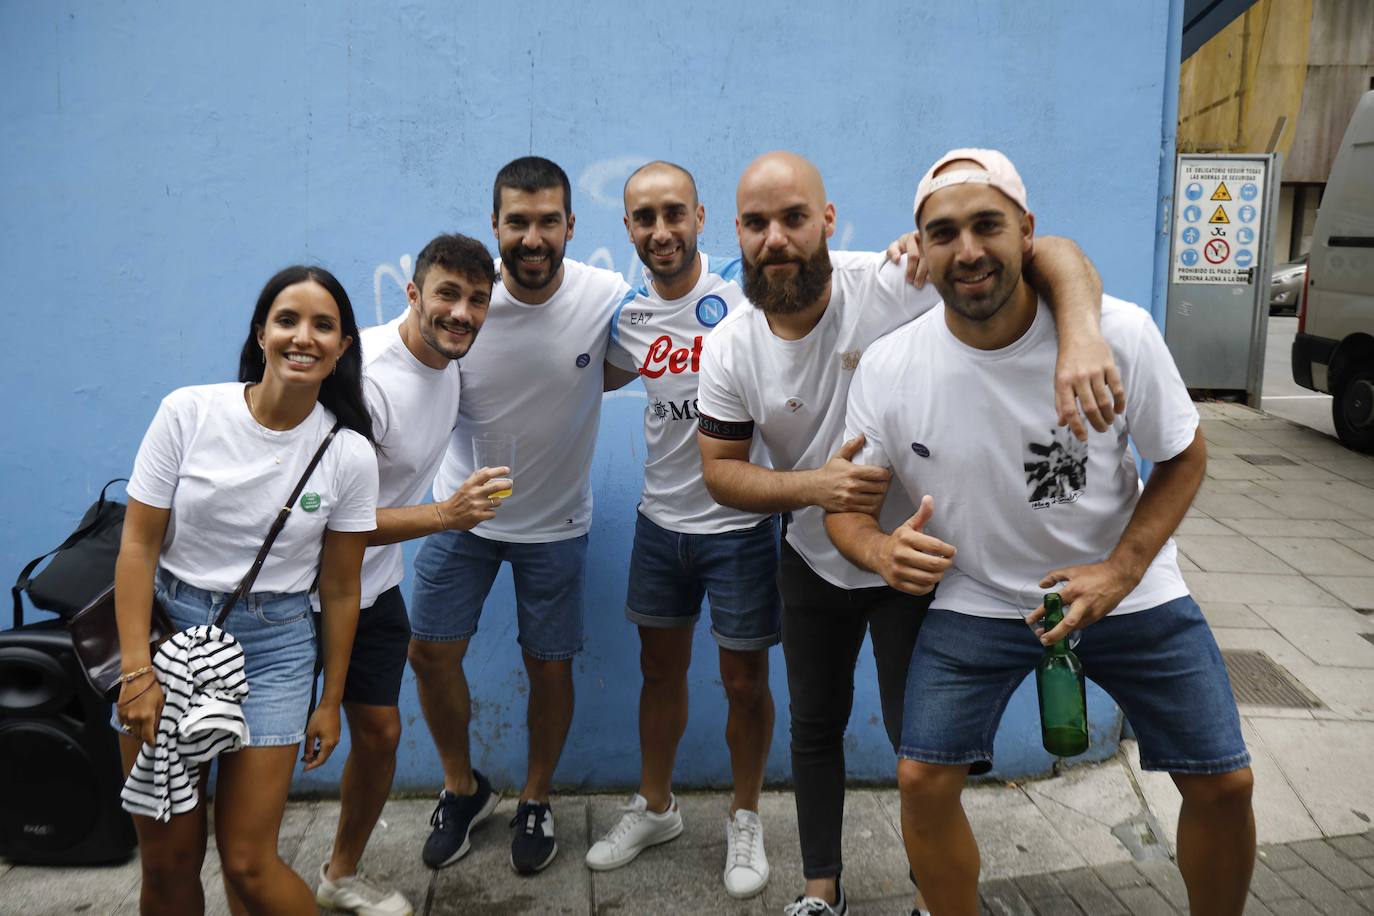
<point x="1063" y="693"/>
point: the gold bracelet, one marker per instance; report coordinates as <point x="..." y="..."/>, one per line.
<point x="122" y="703"/>
<point x="135" y="674"/>
<point x="440" y="516"/>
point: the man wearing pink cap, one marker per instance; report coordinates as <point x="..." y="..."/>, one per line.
<point x="956" y="404"/>
<point x="781" y="370"/>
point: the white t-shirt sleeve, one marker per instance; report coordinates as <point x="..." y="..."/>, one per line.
<point x="618" y="356"/>
<point x="356" y="509"/>
<point x="1160" y="416"/>
<point x="717" y="396"/>
<point x="861" y="419"/>
<point x="377" y="407"/>
<point x="158" y="464"/>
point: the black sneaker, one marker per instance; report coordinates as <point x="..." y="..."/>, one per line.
<point x="453" y="820"/>
<point x="532" y="847"/>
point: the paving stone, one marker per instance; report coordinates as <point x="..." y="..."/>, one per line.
<point x="1233" y="505"/>
<point x="1289" y="528"/>
<point x="1356" y="591"/>
<point x="1250" y="589"/>
<point x="1295" y="907"/>
<point x="1327" y="635"/>
<point x="1317" y="890"/>
<point x="1003" y="899"/>
<point x="1199" y="524"/>
<point x="1057" y="906"/>
<point x="1165" y="878"/>
<point x="1317" y="556"/>
<point x="1234" y="553"/>
<point x="1357" y="846"/>
<point x="1341" y="871"/>
<point x="1235" y="469"/>
<point x="1363" y="546"/>
<point x="1145" y="901"/>
<point x="1266" y="884"/>
<point x="1311" y="754"/>
<point x="1230" y="614"/>
<point x="1033" y="886"/>
<point x="1121" y="875"/>
<point x="1363" y="896"/>
<point x="1253" y="907"/>
<point x="1298" y="505"/>
<point x="1091" y="895"/>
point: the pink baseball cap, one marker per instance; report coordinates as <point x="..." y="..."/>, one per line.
<point x="998" y="173"/>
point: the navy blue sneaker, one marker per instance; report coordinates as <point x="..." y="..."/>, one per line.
<point x="532" y="847"/>
<point x="453" y="820"/>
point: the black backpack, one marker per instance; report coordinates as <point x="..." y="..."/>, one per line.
<point x="83" y="567"/>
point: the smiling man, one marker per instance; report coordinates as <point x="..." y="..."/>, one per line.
<point x="538" y="378"/>
<point x="782" y="370"/>
<point x="1022" y="503"/>
<point x="412" y="385"/>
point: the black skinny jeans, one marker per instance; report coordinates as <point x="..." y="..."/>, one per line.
<point x="822" y="631"/>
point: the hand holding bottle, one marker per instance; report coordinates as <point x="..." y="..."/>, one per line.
<point x="1090" y="592"/>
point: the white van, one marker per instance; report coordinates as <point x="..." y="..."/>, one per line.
<point x="1334" y="348"/>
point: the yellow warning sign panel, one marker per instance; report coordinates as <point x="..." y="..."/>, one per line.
<point x="1221" y="193"/>
<point x="1220" y="217"/>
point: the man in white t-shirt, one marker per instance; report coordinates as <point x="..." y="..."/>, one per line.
<point x="1027" y="509"/>
<point x="782" y="369"/>
<point x="411" y="383"/>
<point x="538" y="378"/>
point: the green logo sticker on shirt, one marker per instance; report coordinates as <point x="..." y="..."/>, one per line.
<point x="310" y="501"/>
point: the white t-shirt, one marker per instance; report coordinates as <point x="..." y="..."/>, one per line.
<point x="536" y="373"/>
<point x="794" y="391"/>
<point x="414" y="409"/>
<point x="662" y="340"/>
<point x="225" y="477"/>
<point x="1016" y="494"/>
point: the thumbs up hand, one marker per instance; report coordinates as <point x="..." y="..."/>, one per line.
<point x="912" y="561"/>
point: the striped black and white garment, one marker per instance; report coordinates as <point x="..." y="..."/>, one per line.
<point x="201" y="673"/>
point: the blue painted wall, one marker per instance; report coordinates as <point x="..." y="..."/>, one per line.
<point x="161" y="160"/>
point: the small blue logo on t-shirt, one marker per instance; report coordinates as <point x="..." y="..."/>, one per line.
<point x="710" y="310"/>
<point x="920" y="449"/>
<point x="583" y="359"/>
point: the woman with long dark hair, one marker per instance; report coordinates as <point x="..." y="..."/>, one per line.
<point x="215" y="468"/>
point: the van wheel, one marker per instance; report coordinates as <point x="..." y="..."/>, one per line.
<point x="1352" y="410"/>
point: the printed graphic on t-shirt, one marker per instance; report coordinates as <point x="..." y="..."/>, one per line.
<point x="685" y="409"/>
<point x="1056" y="470"/>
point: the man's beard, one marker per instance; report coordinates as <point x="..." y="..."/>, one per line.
<point x="788" y="295"/>
<point x="428" y="335"/>
<point x="530" y="276"/>
<point x="984" y="306"/>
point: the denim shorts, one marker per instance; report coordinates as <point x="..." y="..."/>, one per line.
<point x="1160" y="665"/>
<point x="454" y="571"/>
<point x="671" y="572"/>
<point x="277" y="633"/>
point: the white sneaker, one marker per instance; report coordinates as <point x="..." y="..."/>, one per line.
<point x="637" y="830"/>
<point x="746" y="866"/>
<point x="356" y="894"/>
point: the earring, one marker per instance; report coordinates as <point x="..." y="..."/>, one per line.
<point x="264" y="355"/>
<point x="335" y="370"/>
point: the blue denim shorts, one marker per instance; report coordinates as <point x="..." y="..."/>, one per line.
<point x="277" y="633"/>
<point x="671" y="572"/>
<point x="454" y="571"/>
<point x="1161" y="665"/>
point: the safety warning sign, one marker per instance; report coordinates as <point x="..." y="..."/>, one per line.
<point x="1205" y="239"/>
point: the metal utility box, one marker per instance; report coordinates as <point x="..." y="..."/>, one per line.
<point x="1219" y="265"/>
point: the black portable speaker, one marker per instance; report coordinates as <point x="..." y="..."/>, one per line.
<point x="60" y="773"/>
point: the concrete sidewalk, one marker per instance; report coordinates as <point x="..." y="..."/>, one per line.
<point x="1278" y="550"/>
